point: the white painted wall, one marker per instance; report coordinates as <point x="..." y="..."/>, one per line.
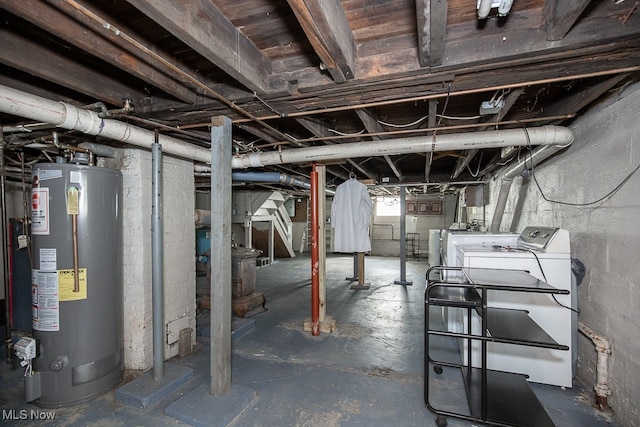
<point x="604" y="236"/>
<point x="384" y="244"/>
<point x="179" y="254"/>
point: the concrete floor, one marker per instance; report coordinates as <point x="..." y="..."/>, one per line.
<point x="368" y="372"/>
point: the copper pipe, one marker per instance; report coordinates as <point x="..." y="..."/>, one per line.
<point x="315" y="262"/>
<point x="74" y="231"/>
<point x="439" y="95"/>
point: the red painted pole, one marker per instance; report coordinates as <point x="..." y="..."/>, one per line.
<point x="315" y="270"/>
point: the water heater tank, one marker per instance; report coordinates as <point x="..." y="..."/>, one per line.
<point x="76" y="283"/>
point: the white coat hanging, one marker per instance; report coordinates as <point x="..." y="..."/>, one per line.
<point x="350" y="217"/>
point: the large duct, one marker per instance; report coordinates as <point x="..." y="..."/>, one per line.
<point x="530" y="160"/>
<point x="273" y="177"/>
<point x="264" y="177"/>
<point x="545" y="135"/>
<point x="67" y="116"/>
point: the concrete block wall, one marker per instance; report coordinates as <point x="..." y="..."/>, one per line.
<point x="604" y="235"/>
<point x="179" y="252"/>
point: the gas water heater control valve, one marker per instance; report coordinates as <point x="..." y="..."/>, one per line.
<point x="25" y="349"/>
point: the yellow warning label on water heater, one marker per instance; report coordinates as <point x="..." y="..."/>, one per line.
<point x="66" y="285"/>
<point x="72" y="201"/>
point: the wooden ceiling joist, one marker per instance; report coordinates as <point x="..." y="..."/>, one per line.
<point x="326" y="26"/>
<point x="432" y="26"/>
<point x="40" y="61"/>
<point x="226" y="47"/>
<point x="561" y="15"/>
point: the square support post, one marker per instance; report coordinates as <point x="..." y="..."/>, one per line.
<point x="221" y="149"/>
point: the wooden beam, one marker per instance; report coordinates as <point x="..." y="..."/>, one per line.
<point x="35" y="58"/>
<point x="579" y="100"/>
<point x="467" y="47"/>
<point x="219" y="288"/>
<point x="201" y="25"/>
<point x="34" y="85"/>
<point x="71" y="26"/>
<point x="326" y="26"/>
<point x="370" y="122"/>
<point x="319" y="129"/>
<point x="432" y="26"/>
<point x="561" y="15"/>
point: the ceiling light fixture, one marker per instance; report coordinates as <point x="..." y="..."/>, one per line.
<point x="485" y="6"/>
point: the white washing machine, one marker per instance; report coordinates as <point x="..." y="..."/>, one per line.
<point x="450" y="241"/>
<point x="546" y="254"/>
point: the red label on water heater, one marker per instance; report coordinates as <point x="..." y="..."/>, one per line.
<point x="40" y="210"/>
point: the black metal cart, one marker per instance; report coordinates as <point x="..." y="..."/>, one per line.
<point x="494" y="397"/>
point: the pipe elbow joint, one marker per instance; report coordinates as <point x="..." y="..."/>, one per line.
<point x="559" y="136"/>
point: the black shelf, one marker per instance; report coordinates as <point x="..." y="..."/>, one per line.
<point x="508" y="280"/>
<point x="510" y="400"/>
<point x="453" y="297"/>
<point x="516" y="327"/>
<point x="494" y="397"/>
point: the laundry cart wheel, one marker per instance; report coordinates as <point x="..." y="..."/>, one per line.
<point x="441" y="421"/>
<point x="437" y="369"/>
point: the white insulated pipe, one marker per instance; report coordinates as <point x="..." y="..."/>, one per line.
<point x="67" y="116"/>
<point x="602" y="371"/>
<point x="544" y="135"/>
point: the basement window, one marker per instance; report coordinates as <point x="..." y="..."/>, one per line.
<point x="387" y="206"/>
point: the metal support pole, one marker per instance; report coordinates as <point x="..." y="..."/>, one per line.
<point x="315" y="283"/>
<point x="157" y="280"/>
<point x="5" y="254"/>
<point x="403" y="240"/>
<point x="221" y="149"/>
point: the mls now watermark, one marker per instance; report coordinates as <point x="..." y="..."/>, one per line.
<point x="27" y="414"/>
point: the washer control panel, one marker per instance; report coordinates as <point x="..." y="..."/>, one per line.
<point x="537" y="238"/>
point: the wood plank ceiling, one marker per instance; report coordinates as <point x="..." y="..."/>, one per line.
<point x="294" y="73"/>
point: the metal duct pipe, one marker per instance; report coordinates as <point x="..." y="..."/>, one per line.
<point x="270" y="177"/>
<point x="544" y="135"/>
<point x="274" y="177"/>
<point x="67" y="116"/>
<point x="265" y="177"/>
<point x="99" y="149"/>
<point x="530" y="160"/>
